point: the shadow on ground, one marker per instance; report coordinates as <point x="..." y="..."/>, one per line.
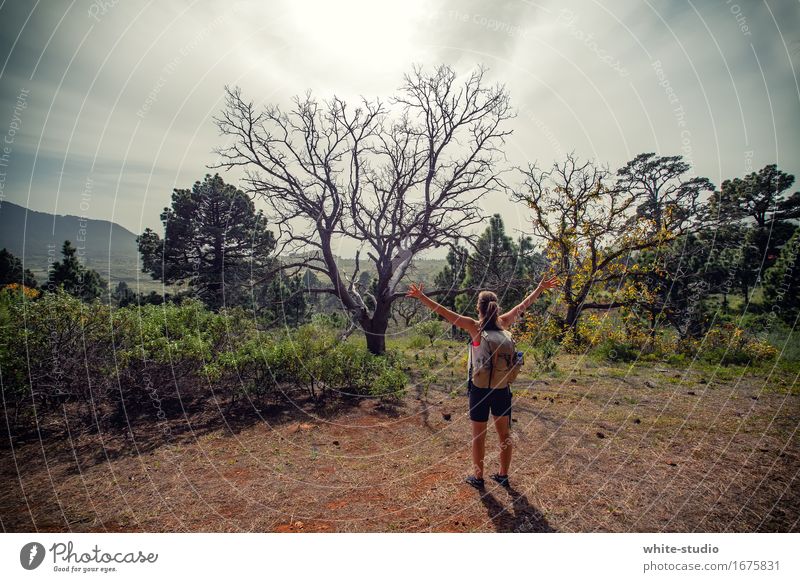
<point x="519" y="517"/>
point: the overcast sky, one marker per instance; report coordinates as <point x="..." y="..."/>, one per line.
<point x="715" y="81"/>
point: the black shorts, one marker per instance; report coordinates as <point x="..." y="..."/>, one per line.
<point x="484" y="400"/>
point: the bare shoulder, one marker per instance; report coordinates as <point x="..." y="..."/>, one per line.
<point x="508" y="318"/>
<point x="470" y="326"/>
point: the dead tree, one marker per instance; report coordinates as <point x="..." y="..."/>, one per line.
<point x="398" y="178"/>
<point x="409" y="310"/>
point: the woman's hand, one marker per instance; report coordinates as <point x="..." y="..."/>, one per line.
<point x="415" y="291"/>
<point x="550" y="283"/>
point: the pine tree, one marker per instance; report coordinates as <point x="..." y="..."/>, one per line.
<point x="758" y="204"/>
<point x="70" y="275"/>
<point x="123" y="295"/>
<point x="214" y="241"/>
<point x="452" y="275"/>
<point x="782" y="282"/>
<point x="11" y="271"/>
<point x="283" y="302"/>
<point x="498" y="263"/>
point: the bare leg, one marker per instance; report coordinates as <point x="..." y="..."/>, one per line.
<point x="501" y="423"/>
<point x="478" y="447"/>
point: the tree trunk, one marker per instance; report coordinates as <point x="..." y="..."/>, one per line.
<point x="376" y="341"/>
<point x="375" y="329"/>
<point x="571" y="319"/>
<point x="215" y="287"/>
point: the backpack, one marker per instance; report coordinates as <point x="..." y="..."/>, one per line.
<point x="495" y="363"/>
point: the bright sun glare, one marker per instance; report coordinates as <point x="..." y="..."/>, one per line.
<point x="359" y="31"/>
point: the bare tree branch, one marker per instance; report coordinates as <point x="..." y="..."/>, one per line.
<point x="399" y="178"/>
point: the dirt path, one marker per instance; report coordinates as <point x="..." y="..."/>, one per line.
<point x="644" y="452"/>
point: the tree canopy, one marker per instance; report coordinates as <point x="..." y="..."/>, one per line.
<point x="214" y="241"/>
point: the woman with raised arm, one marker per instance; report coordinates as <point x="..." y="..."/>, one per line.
<point x="482" y="401"/>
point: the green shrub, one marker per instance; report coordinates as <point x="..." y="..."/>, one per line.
<point x="757" y="323"/>
<point x="334" y="320"/>
<point x="676" y="359"/>
<point x="544" y="355"/>
<point x="390" y="383"/>
<point x="313" y="357"/>
<point x="786" y="342"/>
<point x="616" y="351"/>
<point x="417" y="342"/>
<point x="431" y="330"/>
<point x="55" y="350"/>
<point x="723" y="357"/>
<point x="118" y="363"/>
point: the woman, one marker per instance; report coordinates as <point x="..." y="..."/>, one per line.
<point x="485" y="400"/>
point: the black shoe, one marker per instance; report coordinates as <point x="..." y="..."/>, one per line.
<point x="502" y="479"/>
<point x="475" y="482"/>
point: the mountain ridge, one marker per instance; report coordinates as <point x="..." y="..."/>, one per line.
<point x="36" y="238"/>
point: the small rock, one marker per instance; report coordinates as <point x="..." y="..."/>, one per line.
<point x="600" y="435"/>
<point x="446" y="416"/>
<point x="672" y="464"/>
<point x="637" y="421"/>
<point x="691" y="393"/>
<point x="649" y="384"/>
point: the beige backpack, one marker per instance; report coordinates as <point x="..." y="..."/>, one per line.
<point x="495" y="363"/>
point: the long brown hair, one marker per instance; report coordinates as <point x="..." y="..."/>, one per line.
<point x="488" y="311"/>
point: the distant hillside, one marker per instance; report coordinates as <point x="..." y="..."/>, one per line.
<point x="37" y="236"/>
<point x="107" y="247"/>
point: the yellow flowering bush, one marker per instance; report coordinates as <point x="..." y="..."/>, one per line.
<point x="27" y="292"/>
<point x="535" y="328"/>
<point x="730" y="344"/>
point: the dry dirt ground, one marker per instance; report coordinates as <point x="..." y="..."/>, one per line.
<point x="643" y="448"/>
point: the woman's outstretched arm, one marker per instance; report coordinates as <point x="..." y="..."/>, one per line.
<point x="510" y="317"/>
<point x="465" y="323"/>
